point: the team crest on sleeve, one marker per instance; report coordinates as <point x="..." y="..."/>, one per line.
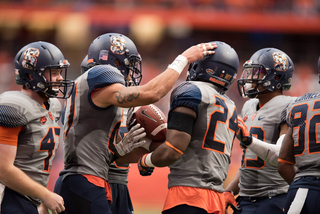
<point x="43" y="120"/>
<point x="118" y="45"/>
<point x="30" y="58"/>
<point x="281" y="62"/>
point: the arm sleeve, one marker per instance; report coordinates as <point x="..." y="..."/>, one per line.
<point x="266" y="151"/>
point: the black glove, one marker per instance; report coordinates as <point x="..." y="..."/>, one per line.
<point x="144" y="170"/>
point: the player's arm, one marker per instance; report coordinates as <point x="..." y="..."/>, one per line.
<point x="16" y="179"/>
<point x="286" y="165"/>
<point x="155" y="89"/>
<point x="234" y="184"/>
<point x="137" y="153"/>
<point x="266" y="151"/>
<point x="179" y="131"/>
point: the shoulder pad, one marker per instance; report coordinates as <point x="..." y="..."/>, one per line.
<point x="11" y="117"/>
<point x="103" y="75"/>
<point x="251" y="103"/>
<point x="187" y="95"/>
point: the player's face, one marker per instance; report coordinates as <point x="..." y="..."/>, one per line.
<point x="54" y="75"/>
<point x="253" y="75"/>
<point x="129" y="79"/>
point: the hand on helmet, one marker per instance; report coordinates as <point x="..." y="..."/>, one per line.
<point x="197" y="52"/>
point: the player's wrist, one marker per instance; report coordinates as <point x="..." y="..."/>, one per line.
<point x="247" y="140"/>
<point x="179" y="64"/>
<point x="146" y="160"/>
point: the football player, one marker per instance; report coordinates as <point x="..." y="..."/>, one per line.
<point x="202" y="124"/>
<point x="93" y="117"/>
<point x="118" y="174"/>
<point x="299" y="159"/>
<point x="262" y="128"/>
<point x="30" y="131"/>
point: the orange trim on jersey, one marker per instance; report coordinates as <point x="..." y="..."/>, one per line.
<point x="10" y="136"/>
<point x="209" y="200"/>
<point x="171" y="146"/>
<point x="285" y="161"/>
<point x="100" y="183"/>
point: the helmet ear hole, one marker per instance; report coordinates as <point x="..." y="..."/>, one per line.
<point x="277" y="77"/>
<point x="117" y="62"/>
<point x="195" y="66"/>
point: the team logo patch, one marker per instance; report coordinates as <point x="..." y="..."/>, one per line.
<point x="43" y="120"/>
<point x="30" y="58"/>
<point x="118" y="45"/>
<point x="228" y="77"/>
<point x="50" y="116"/>
<point x="281" y="61"/>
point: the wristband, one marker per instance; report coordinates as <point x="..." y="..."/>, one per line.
<point x="146" y="160"/>
<point x="179" y="64"/>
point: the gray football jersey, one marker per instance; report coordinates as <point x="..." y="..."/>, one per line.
<point x="258" y="178"/>
<point x="303" y="117"/>
<point x="38" y="143"/>
<point x="205" y="162"/>
<point x="90" y="132"/>
<point x="119" y="173"/>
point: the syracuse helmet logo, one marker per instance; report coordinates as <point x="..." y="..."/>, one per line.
<point x="30" y="58"/>
<point x="281" y="62"/>
<point x="118" y="45"/>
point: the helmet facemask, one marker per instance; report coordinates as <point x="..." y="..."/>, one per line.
<point x="59" y="89"/>
<point x="252" y="77"/>
<point x="133" y="63"/>
<point x="39" y="83"/>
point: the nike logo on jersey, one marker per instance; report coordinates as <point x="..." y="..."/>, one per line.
<point x="260" y="118"/>
<point x="143" y="112"/>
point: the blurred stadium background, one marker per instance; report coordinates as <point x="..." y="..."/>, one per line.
<point x="161" y="30"/>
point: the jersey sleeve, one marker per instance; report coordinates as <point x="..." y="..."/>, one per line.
<point x="186" y="95"/>
<point x="11" y="117"/>
<point x="102" y="75"/>
<point x="9" y="136"/>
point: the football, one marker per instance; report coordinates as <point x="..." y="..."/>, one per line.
<point x="153" y="120"/>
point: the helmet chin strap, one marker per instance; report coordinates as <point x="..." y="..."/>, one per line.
<point x="250" y="90"/>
